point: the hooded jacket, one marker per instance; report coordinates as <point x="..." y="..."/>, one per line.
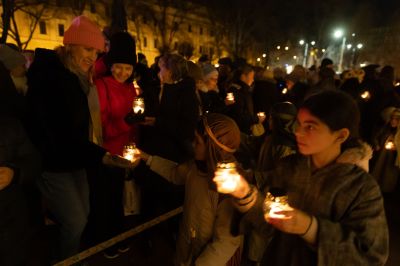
<point x="347" y="203"/>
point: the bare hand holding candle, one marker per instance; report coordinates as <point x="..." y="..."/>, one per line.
<point x="226" y="177"/>
<point x="275" y="203"/>
<point x="389" y="145"/>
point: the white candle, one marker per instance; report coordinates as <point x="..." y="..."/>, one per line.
<point x="130" y="152"/>
<point x="138" y="106"/>
<point x="230" y="96"/>
<point x="226" y="177"/>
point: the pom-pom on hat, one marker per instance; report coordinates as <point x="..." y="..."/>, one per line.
<point x="83" y="31"/>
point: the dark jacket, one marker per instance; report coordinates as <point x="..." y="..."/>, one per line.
<point x="59" y="115"/>
<point x="17" y="153"/>
<point x="176" y="117"/>
<point x="242" y="111"/>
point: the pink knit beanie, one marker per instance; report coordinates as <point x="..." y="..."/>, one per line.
<point x="85" y="32"/>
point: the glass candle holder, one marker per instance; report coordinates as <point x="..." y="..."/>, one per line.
<point x="230" y="96"/>
<point x="138" y="106"/>
<point x="389" y="145"/>
<point x="261" y="115"/>
<point x="227" y="177"/>
<point x="130" y="152"/>
<point x="275" y="201"/>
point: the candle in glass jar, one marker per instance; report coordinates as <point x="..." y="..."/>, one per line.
<point x="261" y="115"/>
<point x="274" y="202"/>
<point x="389" y="145"/>
<point x="138" y="106"/>
<point x="130" y="152"/>
<point x="227" y="177"/>
<point x="230" y="96"/>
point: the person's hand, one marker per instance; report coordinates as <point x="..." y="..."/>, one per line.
<point x="149" y="121"/>
<point x="294" y="222"/>
<point x="241" y="190"/>
<point x="6" y="176"/>
<point x="118" y="161"/>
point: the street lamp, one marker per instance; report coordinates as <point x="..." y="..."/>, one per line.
<point x="339" y="34"/>
<point x="349" y="46"/>
<point x="264" y="55"/>
<point x="301" y="42"/>
<point x="286" y="48"/>
<point x="278" y="47"/>
<point x="313" y="43"/>
<point x="360" y="45"/>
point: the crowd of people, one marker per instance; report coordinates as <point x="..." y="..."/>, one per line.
<point x="330" y="143"/>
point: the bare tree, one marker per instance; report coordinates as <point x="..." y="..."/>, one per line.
<point x="166" y="17"/>
<point x="34" y="11"/>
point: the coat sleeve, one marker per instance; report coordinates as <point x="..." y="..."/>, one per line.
<point x="223" y="245"/>
<point x="171" y="171"/>
<point x="360" y="237"/>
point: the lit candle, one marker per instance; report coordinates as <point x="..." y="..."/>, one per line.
<point x="284" y="91"/>
<point x="365" y="95"/>
<point x="261" y="115"/>
<point x="389" y="145"/>
<point x="226" y="177"/>
<point x="275" y="202"/>
<point x="138" y="106"/>
<point x="230" y="96"/>
<point x="130" y="152"/>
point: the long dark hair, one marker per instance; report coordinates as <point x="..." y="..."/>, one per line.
<point x="337" y="110"/>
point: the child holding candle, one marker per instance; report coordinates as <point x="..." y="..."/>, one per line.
<point x="386" y="144"/>
<point x="204" y="235"/>
<point x="338" y="216"/>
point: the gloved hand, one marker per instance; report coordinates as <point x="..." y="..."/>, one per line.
<point x="118" y="161"/>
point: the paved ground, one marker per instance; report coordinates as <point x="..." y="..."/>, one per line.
<point x="155" y="247"/>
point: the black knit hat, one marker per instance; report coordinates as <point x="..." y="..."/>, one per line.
<point x="122" y="49"/>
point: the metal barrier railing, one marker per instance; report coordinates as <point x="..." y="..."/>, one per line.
<point x="108" y="243"/>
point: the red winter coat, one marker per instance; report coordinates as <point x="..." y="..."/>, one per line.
<point x="115" y="103"/>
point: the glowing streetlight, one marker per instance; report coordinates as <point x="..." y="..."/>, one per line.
<point x="323" y="50"/>
<point x="258" y="59"/>
<point x="339" y="33"/>
<point x="349" y="46"/>
<point x="278" y="47"/>
<point x="313" y="43"/>
<point x="301" y="42"/>
<point x="264" y="55"/>
<point x="294" y="57"/>
<point x="353" y="35"/>
<point x="360" y="45"/>
<point x="286" y="48"/>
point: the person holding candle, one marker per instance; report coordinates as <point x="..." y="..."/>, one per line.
<point x="64" y="123"/>
<point x="116" y="96"/>
<point x="386" y="168"/>
<point x="338" y="215"/>
<point x="204" y="235"/>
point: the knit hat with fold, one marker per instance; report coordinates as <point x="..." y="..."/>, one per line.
<point x="83" y="31"/>
<point x="122" y="49"/>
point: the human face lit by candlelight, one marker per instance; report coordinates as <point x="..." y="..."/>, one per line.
<point x="165" y="73"/>
<point x="84" y="57"/>
<point x="394" y="121"/>
<point x="314" y="137"/>
<point x="121" y="72"/>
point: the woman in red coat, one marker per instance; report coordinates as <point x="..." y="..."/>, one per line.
<point x="116" y="94"/>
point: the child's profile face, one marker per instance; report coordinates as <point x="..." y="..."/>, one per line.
<point x="394" y="121"/>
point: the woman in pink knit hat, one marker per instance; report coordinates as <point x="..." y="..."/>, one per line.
<point x="65" y="125"/>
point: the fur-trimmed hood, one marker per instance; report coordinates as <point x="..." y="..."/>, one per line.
<point x="359" y="156"/>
